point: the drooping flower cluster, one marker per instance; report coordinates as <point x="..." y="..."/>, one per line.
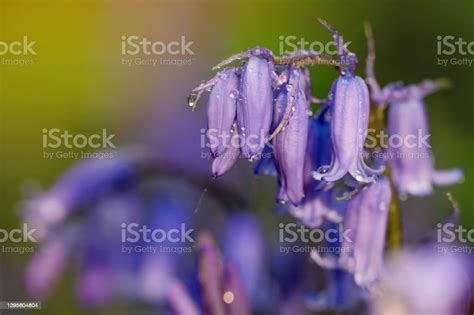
<point x="260" y="110"/>
<point x="320" y="161"/>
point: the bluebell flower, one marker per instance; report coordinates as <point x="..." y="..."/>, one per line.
<point x="255" y="105"/>
<point x="365" y="223"/>
<point x="289" y="144"/>
<point x="412" y="164"/>
<point x="221" y="110"/>
<point x="340" y="293"/>
<point x="421" y="280"/>
<point x="366" y="218"/>
<point x="320" y="198"/>
<point x="349" y="103"/>
<point x="180" y="301"/>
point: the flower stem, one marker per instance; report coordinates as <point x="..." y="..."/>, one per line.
<point x="394" y="235"/>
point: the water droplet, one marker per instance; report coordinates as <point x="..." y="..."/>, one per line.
<point x="192" y="99"/>
<point x="282" y="78"/>
<point x="234" y="94"/>
<point x="359" y="177"/>
<point x="323" y="169"/>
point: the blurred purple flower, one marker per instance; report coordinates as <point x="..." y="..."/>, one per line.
<point x="83" y="183"/>
<point x="349" y="123"/>
<point x="96" y="281"/>
<point x="421" y="281"/>
<point x="222" y="287"/>
<point x="156" y="270"/>
<point x="412" y="165"/>
<point x="366" y="218"/>
<point x="239" y="231"/>
<point x="235" y="295"/>
<point x="46" y="266"/>
<point x="362" y="248"/>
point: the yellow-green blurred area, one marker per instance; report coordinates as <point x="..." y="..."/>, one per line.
<point x="78" y="83"/>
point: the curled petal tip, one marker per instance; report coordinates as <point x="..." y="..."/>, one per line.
<point x="447" y="177"/>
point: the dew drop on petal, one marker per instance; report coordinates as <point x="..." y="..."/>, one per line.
<point x="282" y="78"/>
<point x="323" y="169"/>
<point x="234" y="94"/>
<point x="192" y="99"/>
<point x="359" y="177"/>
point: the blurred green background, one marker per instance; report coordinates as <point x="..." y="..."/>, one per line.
<point x="78" y="83"/>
